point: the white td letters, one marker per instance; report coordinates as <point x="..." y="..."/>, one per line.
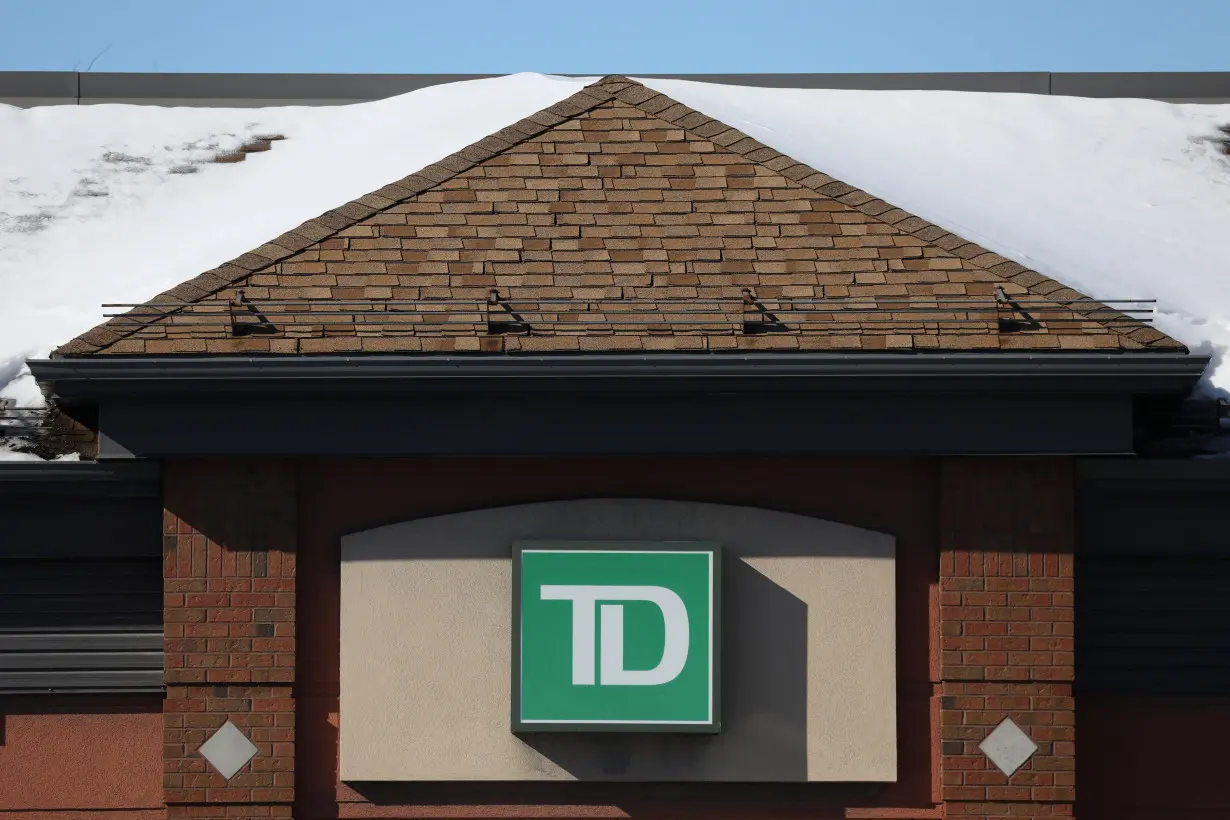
<point x="585" y="600"/>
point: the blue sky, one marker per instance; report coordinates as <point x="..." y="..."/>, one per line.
<point x="625" y="36"/>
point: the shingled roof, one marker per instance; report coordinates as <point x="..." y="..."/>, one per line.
<point x="616" y="219"/>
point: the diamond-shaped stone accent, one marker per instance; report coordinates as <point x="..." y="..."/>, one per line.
<point x="1008" y="747"/>
<point x="228" y="750"/>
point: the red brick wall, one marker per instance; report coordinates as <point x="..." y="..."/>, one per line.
<point x="896" y="496"/>
<point x="984" y="625"/>
<point x="1006" y="586"/>
<point x="229" y="584"/>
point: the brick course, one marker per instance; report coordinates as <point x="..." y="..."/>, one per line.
<point x="229" y="611"/>
<point x="1006" y="618"/>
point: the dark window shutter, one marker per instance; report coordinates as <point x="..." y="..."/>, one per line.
<point x="80" y="579"/>
<point x="1153" y="577"/>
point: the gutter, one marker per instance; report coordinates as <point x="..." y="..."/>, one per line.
<point x="105" y="375"/>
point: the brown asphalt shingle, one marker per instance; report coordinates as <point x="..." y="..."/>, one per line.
<point x="640" y="207"/>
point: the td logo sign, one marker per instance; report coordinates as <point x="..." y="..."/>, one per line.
<point x="615" y="636"/>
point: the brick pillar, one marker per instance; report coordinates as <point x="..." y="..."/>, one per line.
<point x="1006" y="629"/>
<point x="229" y="584"/>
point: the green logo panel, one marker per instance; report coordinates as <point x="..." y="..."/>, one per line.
<point x="616" y="636"/>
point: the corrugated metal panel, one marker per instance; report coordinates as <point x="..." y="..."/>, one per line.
<point x="81" y="624"/>
<point x="1158" y="624"/>
<point x="80" y="579"/>
<point x="81" y="682"/>
<point x="1153" y="577"/>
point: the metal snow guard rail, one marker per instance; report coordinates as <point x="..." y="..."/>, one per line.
<point x="23" y="421"/>
<point x="747" y="314"/>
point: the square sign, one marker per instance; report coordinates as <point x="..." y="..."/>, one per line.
<point x="615" y="636"/>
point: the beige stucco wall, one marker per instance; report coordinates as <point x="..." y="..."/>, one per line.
<point x="808" y="680"/>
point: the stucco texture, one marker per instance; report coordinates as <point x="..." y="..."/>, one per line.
<point x="81" y="753"/>
<point x="809" y="654"/>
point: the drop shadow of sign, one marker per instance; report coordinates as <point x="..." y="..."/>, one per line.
<point x="763" y="737"/>
<point x="764" y="703"/>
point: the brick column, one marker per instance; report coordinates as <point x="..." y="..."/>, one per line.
<point x="229" y="583"/>
<point x="1006" y="629"/>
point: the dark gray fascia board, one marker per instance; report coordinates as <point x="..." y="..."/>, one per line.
<point x="375" y="86"/>
<point x="354" y="87"/>
<point x="31" y="88"/>
<point x="281" y="87"/>
<point x="89" y="378"/>
<point x="80" y="479"/>
<point x="578" y="422"/>
<point x="1159" y="85"/>
<point x="507" y="405"/>
<point x="48" y="84"/>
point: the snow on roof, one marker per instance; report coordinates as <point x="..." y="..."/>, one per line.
<point x="1117" y="198"/>
<point x="96" y="208"/>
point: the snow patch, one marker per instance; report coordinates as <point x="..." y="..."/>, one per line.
<point x="18" y="383"/>
<point x="12" y="455"/>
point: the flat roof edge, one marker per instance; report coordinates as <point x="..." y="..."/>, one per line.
<point x="255" y="89"/>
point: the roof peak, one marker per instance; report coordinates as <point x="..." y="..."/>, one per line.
<point x="606" y="89"/>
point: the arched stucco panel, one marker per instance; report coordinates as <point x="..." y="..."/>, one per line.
<point x="808" y="679"/>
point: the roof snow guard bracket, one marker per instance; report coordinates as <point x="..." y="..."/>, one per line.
<point x="757" y="318"/>
<point x="503" y="314"/>
<point x="502" y="319"/>
<point x="1006" y="306"/>
<point x="241" y="307"/>
<point x="21" y="421"/>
